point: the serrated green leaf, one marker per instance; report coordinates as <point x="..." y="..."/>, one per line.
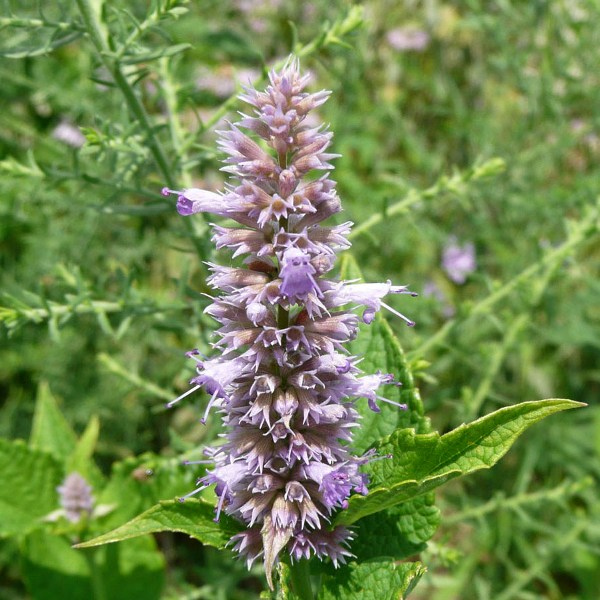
<point x="420" y="463"/>
<point x="194" y="517"/>
<point x="373" y="580"/>
<point x="54" y="570"/>
<point x="399" y="532"/>
<point x="28" y="490"/>
<point x="382" y="352"/>
<point x="50" y="431"/>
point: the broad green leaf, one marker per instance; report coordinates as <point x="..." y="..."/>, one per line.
<point x="54" y="570"/>
<point x="420" y="463"/>
<point x="194" y="517"/>
<point x="373" y="580"/>
<point x="49" y="565"/>
<point x="50" y="431"/>
<point x="399" y="532"/>
<point x="381" y="351"/>
<point x="28" y="490"/>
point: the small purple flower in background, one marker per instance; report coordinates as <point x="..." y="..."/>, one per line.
<point x="281" y="375"/>
<point x="75" y="497"/>
<point x="458" y="261"/>
<point x="68" y="134"/>
<point x="405" y="39"/>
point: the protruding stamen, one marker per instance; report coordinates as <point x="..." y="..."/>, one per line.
<point x="192" y="493"/>
<point x="220" y="506"/>
<point x="401" y="406"/>
<point x="210" y="404"/>
<point x="190" y="391"/>
<point x="399" y="314"/>
<point x="380" y="457"/>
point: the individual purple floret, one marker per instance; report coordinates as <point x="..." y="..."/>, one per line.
<point x="75" y="497"/>
<point x="458" y="261"/>
<point x="281" y="375"/>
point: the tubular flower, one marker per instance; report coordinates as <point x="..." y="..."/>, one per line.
<point x="282" y="378"/>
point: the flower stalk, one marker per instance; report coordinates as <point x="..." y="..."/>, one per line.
<point x="281" y="377"/>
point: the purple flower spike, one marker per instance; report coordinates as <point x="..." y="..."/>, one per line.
<point x="75" y="497"/>
<point x="282" y="379"/>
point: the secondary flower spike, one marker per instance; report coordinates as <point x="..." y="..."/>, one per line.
<point x="75" y="497"/>
<point x="281" y="376"/>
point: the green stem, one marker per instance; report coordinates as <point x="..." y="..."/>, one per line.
<point x="500" y="502"/>
<point x="175" y="129"/>
<point x="455" y="183"/>
<point x="300" y="579"/>
<point x="521" y="579"/>
<point x="283" y="318"/>
<point x="139" y="112"/>
<point x="99" y="591"/>
<point x="135" y="379"/>
<point x="99" y="37"/>
<point x="483" y="389"/>
<point x="37" y="23"/>
<point x="86" y="307"/>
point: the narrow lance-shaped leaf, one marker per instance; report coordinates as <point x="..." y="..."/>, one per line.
<point x="81" y="459"/>
<point x="420" y="463"/>
<point x="194" y="517"/>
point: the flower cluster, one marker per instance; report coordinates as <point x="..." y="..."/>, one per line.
<point x="75" y="497"/>
<point x="282" y="378"/>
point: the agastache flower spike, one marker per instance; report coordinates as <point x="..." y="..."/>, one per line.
<point x="284" y="382"/>
<point x="75" y="497"/>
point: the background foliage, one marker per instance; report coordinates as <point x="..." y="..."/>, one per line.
<point x="486" y="131"/>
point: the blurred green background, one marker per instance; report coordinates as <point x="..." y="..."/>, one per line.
<point x="467" y="122"/>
